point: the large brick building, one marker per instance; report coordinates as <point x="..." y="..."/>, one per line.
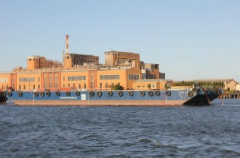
<point x="78" y="71"/>
<point x="49" y="75"/>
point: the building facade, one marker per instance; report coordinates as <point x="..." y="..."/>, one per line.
<point x="238" y="87"/>
<point x="115" y="58"/>
<point x="74" y="60"/>
<point x="150" y="71"/>
<point x="78" y="71"/>
<point x="38" y="62"/>
<point x="81" y="79"/>
<point x="42" y="74"/>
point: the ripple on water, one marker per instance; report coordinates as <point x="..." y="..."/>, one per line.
<point x="119" y="131"/>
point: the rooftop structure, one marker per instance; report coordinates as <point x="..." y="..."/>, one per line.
<point x="73" y="60"/>
<point x="37" y="62"/>
<point x="115" y="58"/>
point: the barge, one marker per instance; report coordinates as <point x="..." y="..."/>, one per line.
<point x="195" y="96"/>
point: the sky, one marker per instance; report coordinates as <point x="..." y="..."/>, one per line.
<point x="189" y="39"/>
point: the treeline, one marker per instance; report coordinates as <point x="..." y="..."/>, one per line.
<point x="203" y="84"/>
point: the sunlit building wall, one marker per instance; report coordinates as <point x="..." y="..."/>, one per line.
<point x="115" y="58"/>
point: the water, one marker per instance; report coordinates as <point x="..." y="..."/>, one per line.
<point x="119" y="131"/>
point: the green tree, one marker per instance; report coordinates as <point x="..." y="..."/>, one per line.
<point x="149" y="86"/>
<point x="117" y="87"/>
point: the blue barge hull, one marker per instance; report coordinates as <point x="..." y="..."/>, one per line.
<point x="84" y="98"/>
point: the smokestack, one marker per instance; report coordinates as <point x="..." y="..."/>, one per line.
<point x="67" y="44"/>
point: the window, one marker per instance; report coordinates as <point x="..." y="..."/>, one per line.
<point x="92" y="84"/>
<point x="76" y="78"/>
<point x="133" y="77"/>
<point x="45" y="85"/>
<point x="26" y="79"/>
<point x="153" y="85"/>
<point x="109" y="77"/>
<point x="79" y="85"/>
<point x="85" y="86"/>
<point x="45" y="79"/>
<point x="100" y="85"/>
<point x="63" y="78"/>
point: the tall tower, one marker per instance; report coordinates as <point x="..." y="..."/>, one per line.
<point x="67" y="60"/>
<point x="67" y="44"/>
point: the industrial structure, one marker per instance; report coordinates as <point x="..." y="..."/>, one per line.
<point x="83" y="72"/>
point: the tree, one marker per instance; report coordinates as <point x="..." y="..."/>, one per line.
<point x="117" y="87"/>
<point x="149" y="86"/>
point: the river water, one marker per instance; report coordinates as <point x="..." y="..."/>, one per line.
<point x="119" y="131"/>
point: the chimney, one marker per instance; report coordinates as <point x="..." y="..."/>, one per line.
<point x="67" y="44"/>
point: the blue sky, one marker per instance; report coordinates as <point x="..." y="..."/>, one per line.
<point x="189" y="39"/>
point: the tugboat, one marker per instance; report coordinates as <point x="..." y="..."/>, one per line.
<point x="204" y="97"/>
<point x="3" y="97"/>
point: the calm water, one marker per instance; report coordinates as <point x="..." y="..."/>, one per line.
<point x="105" y="132"/>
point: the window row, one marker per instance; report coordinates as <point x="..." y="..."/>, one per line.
<point x="3" y="80"/>
<point x="24" y="87"/>
<point x="50" y="85"/>
<point x="106" y="85"/>
<point x="109" y="77"/>
<point x="79" y="86"/>
<point x="26" y="79"/>
<point x="133" y="77"/>
<point x="126" y="55"/>
<point x="75" y="78"/>
<point x="147" y="86"/>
